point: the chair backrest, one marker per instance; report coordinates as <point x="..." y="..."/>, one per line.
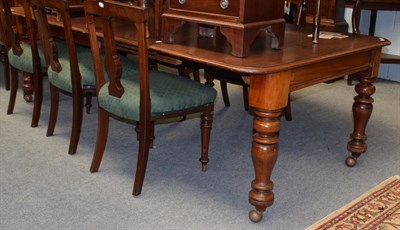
<point x="10" y="35"/>
<point x="63" y="9"/>
<point x="105" y="12"/>
<point x="7" y="24"/>
<point x="2" y="32"/>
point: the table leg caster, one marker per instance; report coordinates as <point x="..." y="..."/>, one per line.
<point x="28" y="97"/>
<point x="351" y="161"/>
<point x="255" y="216"/>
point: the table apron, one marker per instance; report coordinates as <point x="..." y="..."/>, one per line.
<point x="331" y="69"/>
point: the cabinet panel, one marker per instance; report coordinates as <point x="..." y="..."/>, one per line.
<point x="231" y="8"/>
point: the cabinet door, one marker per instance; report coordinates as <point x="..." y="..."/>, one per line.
<point x="332" y="15"/>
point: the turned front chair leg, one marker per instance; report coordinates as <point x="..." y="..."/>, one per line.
<point x="205" y="126"/>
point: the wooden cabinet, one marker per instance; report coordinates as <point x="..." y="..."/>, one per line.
<point x="332" y="14"/>
<point x="240" y="21"/>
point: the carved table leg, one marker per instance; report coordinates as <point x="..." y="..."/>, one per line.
<point x="362" y="110"/>
<point x="264" y="154"/>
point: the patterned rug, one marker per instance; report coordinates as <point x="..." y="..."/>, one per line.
<point x="378" y="209"/>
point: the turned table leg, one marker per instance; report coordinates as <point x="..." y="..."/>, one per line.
<point x="264" y="153"/>
<point x="267" y="95"/>
<point x="362" y="110"/>
<point x="27" y="86"/>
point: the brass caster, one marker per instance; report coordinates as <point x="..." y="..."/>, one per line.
<point x="203" y="167"/>
<point x="28" y="98"/>
<point x="255" y="216"/>
<point x="351" y="161"/>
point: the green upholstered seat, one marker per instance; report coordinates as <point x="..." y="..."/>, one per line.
<point x="24" y="61"/>
<point x="169" y="93"/>
<point x="62" y="79"/>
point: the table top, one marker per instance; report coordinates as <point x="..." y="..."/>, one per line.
<point x="298" y="49"/>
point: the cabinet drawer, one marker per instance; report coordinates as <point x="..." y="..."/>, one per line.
<point x="227" y="7"/>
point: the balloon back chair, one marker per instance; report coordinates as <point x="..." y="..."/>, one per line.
<point x="142" y="96"/>
<point x="26" y="57"/>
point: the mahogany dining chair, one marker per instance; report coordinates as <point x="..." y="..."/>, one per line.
<point x="26" y="57"/>
<point x="70" y="68"/>
<point x="143" y="96"/>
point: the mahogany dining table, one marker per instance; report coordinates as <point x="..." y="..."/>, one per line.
<point x="271" y="75"/>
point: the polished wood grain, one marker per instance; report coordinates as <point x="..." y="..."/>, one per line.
<point x="271" y="75"/>
<point x="240" y="21"/>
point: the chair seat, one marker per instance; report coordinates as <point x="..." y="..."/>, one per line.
<point x="62" y="80"/>
<point x="169" y="93"/>
<point x="24" y="61"/>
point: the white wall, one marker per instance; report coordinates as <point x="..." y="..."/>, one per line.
<point x="387" y="26"/>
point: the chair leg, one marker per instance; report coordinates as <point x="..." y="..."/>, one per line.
<point x="77" y="117"/>
<point x="88" y="104"/>
<point x="54" y="98"/>
<point x="349" y="79"/>
<point x="288" y="110"/>
<point x="102" y="133"/>
<point x="209" y="79"/>
<point x="245" y="97"/>
<point x="152" y="137"/>
<point x="196" y="74"/>
<point x="38" y="98"/>
<point x="183" y="71"/>
<point x="6" y="67"/>
<point x="13" y="90"/>
<point x="143" y="155"/>
<point x="224" y="91"/>
<point x="205" y="126"/>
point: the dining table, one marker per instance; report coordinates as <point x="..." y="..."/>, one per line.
<point x="271" y="75"/>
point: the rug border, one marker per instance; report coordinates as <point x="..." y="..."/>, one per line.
<point x="351" y="203"/>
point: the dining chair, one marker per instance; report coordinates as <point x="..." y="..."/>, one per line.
<point x="4" y="59"/>
<point x="71" y="68"/>
<point x="143" y="96"/>
<point x="227" y="76"/>
<point x="26" y="57"/>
